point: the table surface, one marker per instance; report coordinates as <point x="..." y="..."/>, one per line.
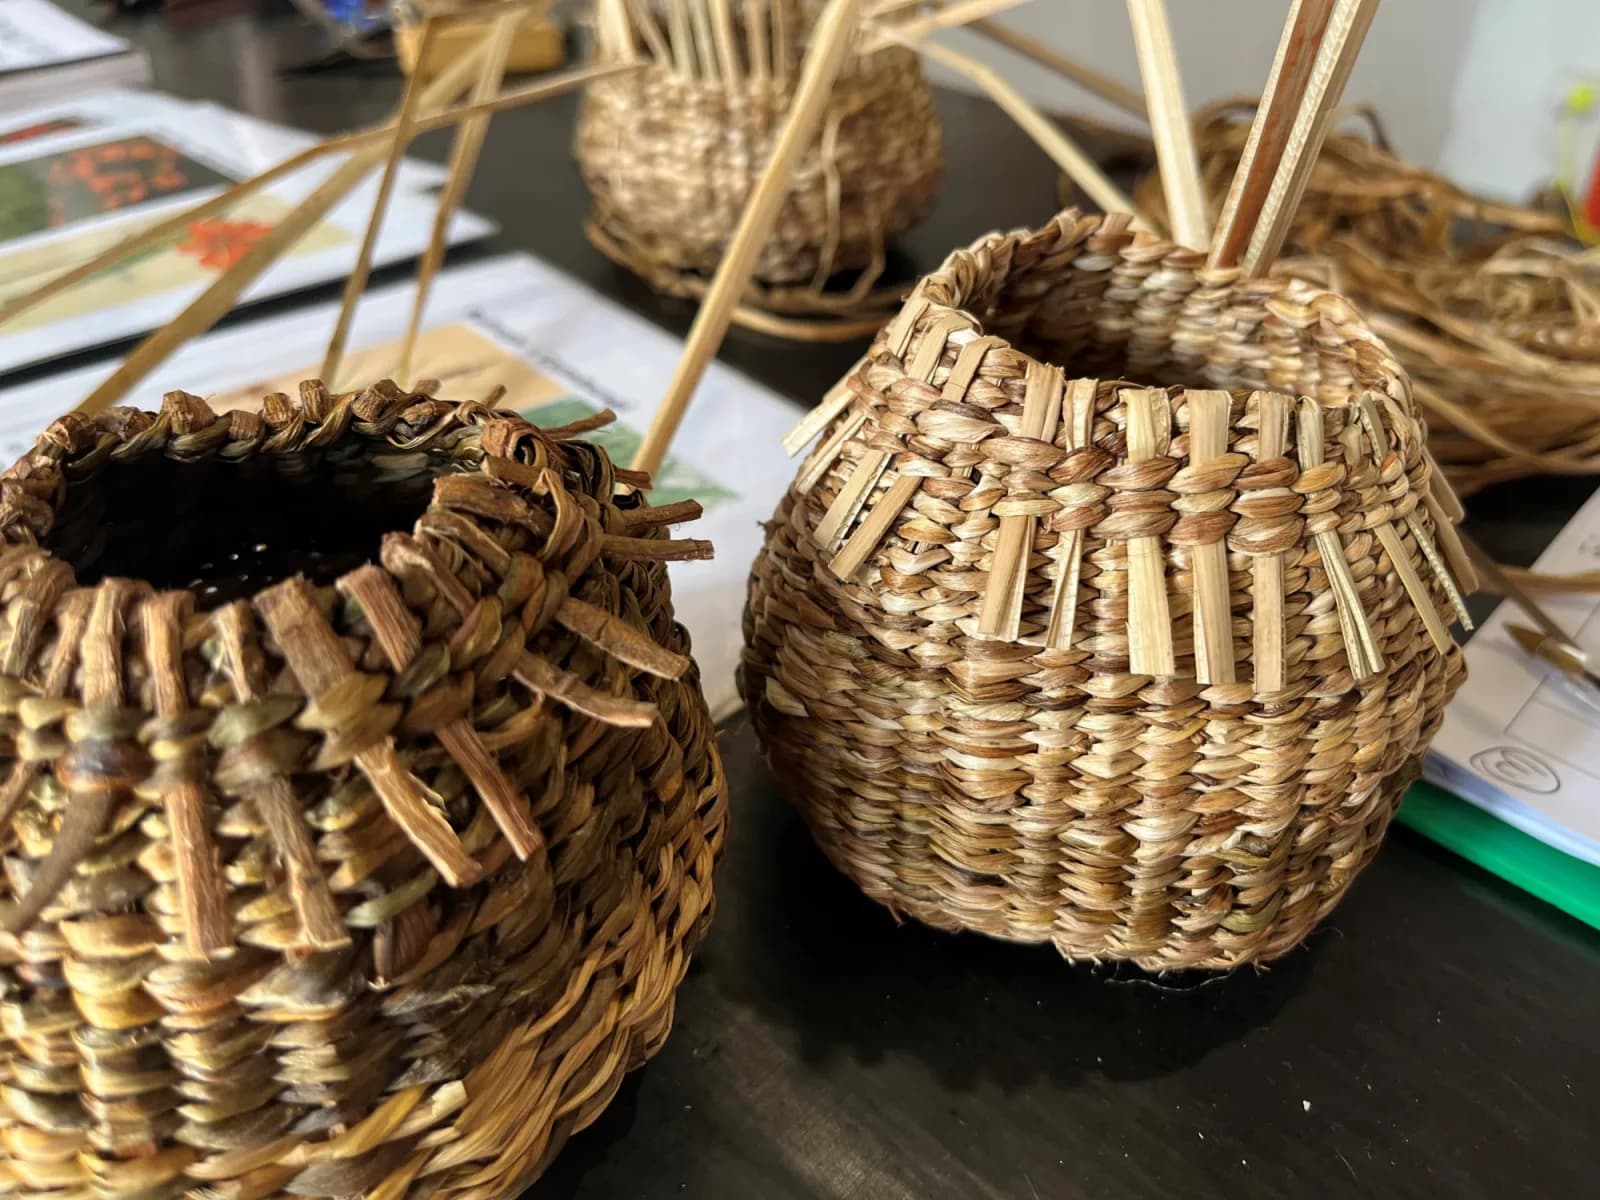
<point x="1437" y="1037"/>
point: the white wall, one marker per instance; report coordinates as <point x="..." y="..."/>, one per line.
<point x="1472" y="86"/>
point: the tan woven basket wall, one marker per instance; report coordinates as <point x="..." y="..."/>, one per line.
<point x="1171" y="722"/>
<point x="670" y="157"/>
<point x="372" y="889"/>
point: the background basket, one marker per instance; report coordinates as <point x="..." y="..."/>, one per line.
<point x="670" y="153"/>
<point x="1138" y="669"/>
<point x="368" y="880"/>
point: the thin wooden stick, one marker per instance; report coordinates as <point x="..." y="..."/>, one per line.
<point x="1266" y="583"/>
<point x="1269" y="133"/>
<point x="1080" y="398"/>
<point x="682" y="38"/>
<point x="1213" y="612"/>
<point x="755" y="34"/>
<point x="463" y="163"/>
<point x="1361" y="648"/>
<point x="644" y="19"/>
<point x="1108" y="89"/>
<point x="722" y="34"/>
<point x="834" y="401"/>
<point x="700" y="20"/>
<point x="1169" y="122"/>
<point x="1001" y="613"/>
<point x="1066" y="154"/>
<point x="829" y="45"/>
<point x="357" y="283"/>
<point x="1150" y="649"/>
<point x="952" y="16"/>
<point x="1336" y="55"/>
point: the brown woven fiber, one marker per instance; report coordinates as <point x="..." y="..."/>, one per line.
<point x="1139" y="669"/>
<point x="360" y="799"/>
<point x="671" y="152"/>
<point x="1492" y="309"/>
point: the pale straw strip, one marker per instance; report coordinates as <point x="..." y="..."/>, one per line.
<point x="1001" y="614"/>
<point x="834" y="401"/>
<point x="1269" y="133"/>
<point x="1169" y="122"/>
<point x="644" y="20"/>
<point x="1213" y="613"/>
<point x="951" y="16"/>
<point x="1461" y="565"/>
<point x="1372" y="423"/>
<point x="1149" y="611"/>
<point x="904" y="489"/>
<point x="822" y="459"/>
<point x="1361" y="648"/>
<point x="755" y="32"/>
<point x="780" y="40"/>
<point x="1266" y="572"/>
<point x="700" y="20"/>
<point x="682" y="39"/>
<point x="722" y="33"/>
<point x="897" y="333"/>
<point x="1108" y="89"/>
<point x="1080" y="398"/>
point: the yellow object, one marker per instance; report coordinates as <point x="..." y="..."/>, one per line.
<point x="539" y="45"/>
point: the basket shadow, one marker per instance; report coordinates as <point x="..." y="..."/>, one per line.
<point x="800" y="944"/>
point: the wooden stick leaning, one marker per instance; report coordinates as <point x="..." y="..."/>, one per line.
<point x="1066" y="154"/>
<point x="463" y="163"/>
<point x="1108" y="89"/>
<point x="823" y="62"/>
<point x="1269" y="133"/>
<point x="1079" y="403"/>
<point x="1213" y="612"/>
<point x="1150" y="649"/>
<point x="356" y="284"/>
<point x="165" y="230"/>
<point x="1266" y="570"/>
<point x="1336" y="55"/>
<point x="952" y="16"/>
<point x="1169" y="122"/>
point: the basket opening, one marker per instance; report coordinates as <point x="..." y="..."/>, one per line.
<point x="225" y="530"/>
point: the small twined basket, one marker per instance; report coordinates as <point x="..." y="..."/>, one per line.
<point x="360" y="799"/>
<point x="671" y="152"/>
<point x="1111" y="610"/>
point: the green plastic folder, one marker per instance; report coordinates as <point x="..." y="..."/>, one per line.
<point x="1571" y="884"/>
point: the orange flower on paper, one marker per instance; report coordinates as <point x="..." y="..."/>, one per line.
<point x="220" y="244"/>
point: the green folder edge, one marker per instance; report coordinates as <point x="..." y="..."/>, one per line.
<point x="1570" y="884"/>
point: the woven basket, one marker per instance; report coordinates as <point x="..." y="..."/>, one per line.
<point x="323" y="877"/>
<point x="670" y="154"/>
<point x="1140" y="669"/>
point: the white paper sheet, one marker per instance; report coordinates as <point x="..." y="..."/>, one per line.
<point x="36" y="34"/>
<point x="557" y="344"/>
<point x="1519" y="739"/>
<point x="150" y="291"/>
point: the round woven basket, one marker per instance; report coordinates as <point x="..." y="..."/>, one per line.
<point x="360" y="801"/>
<point x="670" y="154"/>
<point x="1111" y="609"/>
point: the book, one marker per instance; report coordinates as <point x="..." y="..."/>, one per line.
<point x="46" y="54"/>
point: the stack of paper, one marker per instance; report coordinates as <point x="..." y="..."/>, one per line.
<point x="552" y="343"/>
<point x="46" y="53"/>
<point x="79" y="175"/>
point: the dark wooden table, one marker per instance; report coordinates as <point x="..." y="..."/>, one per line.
<point x="1440" y="1037"/>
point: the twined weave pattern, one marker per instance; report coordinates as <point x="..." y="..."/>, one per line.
<point x="1035" y="787"/>
<point x="670" y="161"/>
<point x="366" y="889"/>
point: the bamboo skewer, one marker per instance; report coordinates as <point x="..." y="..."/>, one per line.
<point x="1080" y="398"/>
<point x="1001" y="614"/>
<point x="1064" y="152"/>
<point x="1269" y="133"/>
<point x="1336" y="55"/>
<point x="162" y="231"/>
<point x="1150" y="649"/>
<point x="1213" y="613"/>
<point x="722" y="33"/>
<point x="824" y="60"/>
<point x="755" y="33"/>
<point x="1266" y="583"/>
<point x="357" y="283"/>
<point x="1169" y="121"/>
<point x="1095" y="82"/>
<point x="463" y="162"/>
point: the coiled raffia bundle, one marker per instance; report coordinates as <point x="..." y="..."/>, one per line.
<point x="1140" y="669"/>
<point x="671" y="153"/>
<point x="360" y="799"/>
<point x="1491" y="308"/>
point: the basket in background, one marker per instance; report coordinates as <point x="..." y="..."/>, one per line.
<point x="1110" y="610"/>
<point x="360" y="798"/>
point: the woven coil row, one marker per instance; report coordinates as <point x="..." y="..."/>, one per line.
<point x="371" y="886"/>
<point x="671" y="156"/>
<point x="1141" y="671"/>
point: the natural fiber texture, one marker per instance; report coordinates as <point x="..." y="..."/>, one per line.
<point x="370" y="880"/>
<point x="1492" y="309"/>
<point x="1087" y="746"/>
<point x="671" y="153"/>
